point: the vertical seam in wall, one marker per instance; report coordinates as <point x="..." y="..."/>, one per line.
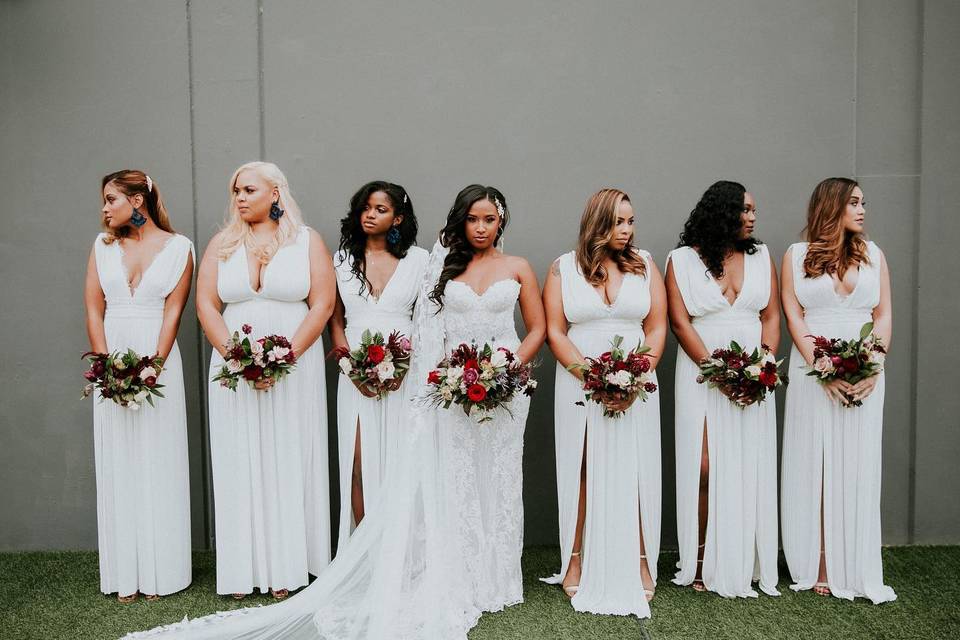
<point x="262" y="93"/>
<point x="202" y="386"/>
<point x="915" y="303"/>
<point x="856" y="77"/>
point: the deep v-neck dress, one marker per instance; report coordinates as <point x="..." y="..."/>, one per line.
<point x="381" y="421"/>
<point x="269" y="448"/>
<point x="143" y="492"/>
<point x="741" y="536"/>
<point x="834" y="448"/>
<point x="623" y="454"/>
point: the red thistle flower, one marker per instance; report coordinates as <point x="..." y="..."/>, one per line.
<point x="768" y="378"/>
<point x="476" y="392"/>
<point x="375" y="353"/>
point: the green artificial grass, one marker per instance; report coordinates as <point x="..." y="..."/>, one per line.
<point x="56" y="595"/>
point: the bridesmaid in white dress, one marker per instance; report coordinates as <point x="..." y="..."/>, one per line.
<point x="477" y="292"/>
<point x="379" y="273"/>
<point x="268" y="446"/>
<point x="608" y="469"/>
<point x="832" y="285"/>
<point x="722" y="286"/>
<point x="138" y="280"/>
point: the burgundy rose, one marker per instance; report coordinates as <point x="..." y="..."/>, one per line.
<point x="851" y="365"/>
<point x="768" y="378"/>
<point x="150" y="381"/>
<point x="375" y="353"/>
<point x="98" y="368"/>
<point x="252" y="372"/>
<point x="644" y="364"/>
<point x="605" y="357"/>
<point x="837" y="361"/>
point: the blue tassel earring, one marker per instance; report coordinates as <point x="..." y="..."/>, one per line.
<point x="275" y="211"/>
<point x="393" y="236"/>
<point x="138" y="219"/>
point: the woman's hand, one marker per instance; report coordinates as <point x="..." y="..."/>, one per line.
<point x="839" y="390"/>
<point x="364" y="389"/>
<point x="264" y="384"/>
<point x="618" y="403"/>
<point x="862" y="389"/>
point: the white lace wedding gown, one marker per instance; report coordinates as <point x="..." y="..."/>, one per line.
<point x="409" y="571"/>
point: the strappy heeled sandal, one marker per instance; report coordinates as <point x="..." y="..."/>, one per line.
<point x="279" y="594"/>
<point x="153" y="597"/>
<point x="697" y="583"/>
<point x="572" y="589"/>
<point x="822" y="589"/>
<point x="128" y="599"/>
<point x="649" y="593"/>
<point x="238" y="596"/>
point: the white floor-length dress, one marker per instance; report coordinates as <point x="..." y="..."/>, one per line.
<point x="143" y="492"/>
<point x="487" y="463"/>
<point x="380" y="420"/>
<point x="403" y="574"/>
<point x="834" y="448"/>
<point x="623" y="454"/>
<point x="741" y="535"/>
<point x="269" y="448"/>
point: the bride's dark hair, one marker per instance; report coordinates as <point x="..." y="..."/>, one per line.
<point x="353" y="239"/>
<point x="454" y="236"/>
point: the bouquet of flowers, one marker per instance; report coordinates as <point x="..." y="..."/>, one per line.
<point x="266" y="358"/>
<point x="617" y="375"/>
<point x="377" y="363"/>
<point x="479" y="380"/>
<point x="744" y="377"/>
<point x="126" y="378"/>
<point x="850" y="360"/>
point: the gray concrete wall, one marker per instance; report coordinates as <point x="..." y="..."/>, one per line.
<point x="547" y="100"/>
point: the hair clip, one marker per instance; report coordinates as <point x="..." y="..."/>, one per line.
<point x="149" y="183"/>
<point x="496" y="201"/>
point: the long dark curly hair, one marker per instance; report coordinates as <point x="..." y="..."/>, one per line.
<point x="714" y="225"/>
<point x="454" y="236"/>
<point x="353" y="239"/>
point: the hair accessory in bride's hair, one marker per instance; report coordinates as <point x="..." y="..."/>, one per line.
<point x="149" y="183"/>
<point x="496" y="201"/>
<point x="404" y="198"/>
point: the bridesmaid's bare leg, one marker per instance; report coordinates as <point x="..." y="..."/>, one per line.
<point x="572" y="578"/>
<point x="821" y="587"/>
<point x="645" y="576"/>
<point x="704" y="505"/>
<point x="356" y="484"/>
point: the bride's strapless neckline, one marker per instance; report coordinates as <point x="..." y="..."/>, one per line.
<point x="487" y="290"/>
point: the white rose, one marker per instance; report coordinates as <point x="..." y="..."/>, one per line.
<point x="141" y="396"/>
<point x="768" y="357"/>
<point x="625" y="378"/>
<point x="259" y="359"/>
<point x="454" y="374"/>
<point x="234" y="366"/>
<point x="753" y="371"/>
<point x="133" y="406"/>
<point x="611" y="378"/>
<point x="148" y="372"/>
<point x="498" y="359"/>
<point x="878" y="356"/>
<point x="346" y="365"/>
<point x="385" y="371"/>
<point x="278" y="353"/>
<point x="256" y="347"/>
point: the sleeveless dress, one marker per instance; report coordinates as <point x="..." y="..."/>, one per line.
<point x="623" y="454"/>
<point x="741" y="536"/>
<point x="143" y="492"/>
<point x="487" y="462"/>
<point x="833" y="447"/>
<point x="269" y="448"/>
<point x="380" y="420"/>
